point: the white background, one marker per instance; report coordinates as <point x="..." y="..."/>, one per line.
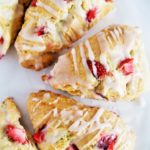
<point x="18" y="82"/>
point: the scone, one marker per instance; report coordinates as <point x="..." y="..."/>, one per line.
<point x="12" y="135"/>
<point x="51" y="25"/>
<point x="62" y="123"/>
<point x="11" y="17"/>
<point x="109" y="65"/>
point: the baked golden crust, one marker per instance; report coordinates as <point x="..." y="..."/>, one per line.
<point x="11" y="18"/>
<point x="109" y="65"/>
<point x="51" y="26"/>
<point x="62" y="123"/>
<point x="25" y="3"/>
<point x="12" y="134"/>
<point x="36" y="58"/>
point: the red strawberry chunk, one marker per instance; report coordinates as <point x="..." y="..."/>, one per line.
<point x="33" y="3"/>
<point x="72" y="147"/>
<point x="16" y="134"/>
<point x="1" y="56"/>
<point x="1" y="40"/>
<point x="107" y="142"/>
<point x="91" y="14"/>
<point x="108" y="0"/>
<point x="39" y="137"/>
<point x="126" y="66"/>
<point x="101" y="70"/>
<point x="40" y="31"/>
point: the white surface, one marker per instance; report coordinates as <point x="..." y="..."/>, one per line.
<point x="18" y="82"/>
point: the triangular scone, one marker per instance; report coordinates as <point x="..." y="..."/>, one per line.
<point x="11" y="14"/>
<point x="12" y="135"/>
<point x="108" y="65"/>
<point x="62" y="123"/>
<point x="51" y="25"/>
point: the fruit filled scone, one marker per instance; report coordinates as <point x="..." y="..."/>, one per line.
<point x="11" y="17"/>
<point x="108" y="65"/>
<point x="51" y="25"/>
<point x="12" y="134"/>
<point x="62" y="123"/>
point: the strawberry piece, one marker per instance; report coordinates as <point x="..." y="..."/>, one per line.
<point x="108" y="0"/>
<point x="40" y="31"/>
<point x="101" y="70"/>
<point x="1" y="56"/>
<point x="107" y="142"/>
<point x="91" y="14"/>
<point x="33" y="3"/>
<point x="16" y="134"/>
<point x="126" y="66"/>
<point x="49" y="77"/>
<point x="1" y="40"/>
<point x="72" y="147"/>
<point x="39" y="137"/>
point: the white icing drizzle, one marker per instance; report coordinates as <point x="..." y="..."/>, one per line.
<point x="49" y="27"/>
<point x="110" y="41"/>
<point x="49" y="9"/>
<point x="79" y="125"/>
<point x="103" y="61"/>
<point x="55" y="101"/>
<point x="34" y="47"/>
<point x="53" y="124"/>
<point x="84" y="59"/>
<point x="91" y="57"/>
<point x="36" y="106"/>
<point x="55" y="112"/>
<point x="8" y="11"/>
<point x="61" y="4"/>
<point x="35" y="99"/>
<point x="56" y="135"/>
<point x="47" y="95"/>
<point x="78" y="8"/>
<point x="81" y="128"/>
<point x="114" y="36"/>
<point x="89" y="75"/>
<point x="27" y="33"/>
<point x="118" y="81"/>
<point x="117" y="34"/>
<point x="119" y="30"/>
<point x="44" y="117"/>
<point x="73" y="52"/>
<point x="124" y="132"/>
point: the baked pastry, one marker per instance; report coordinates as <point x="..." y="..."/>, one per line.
<point x="62" y="123"/>
<point x="108" y="65"/>
<point x="11" y="15"/>
<point x="53" y="25"/>
<point x="12" y="135"/>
